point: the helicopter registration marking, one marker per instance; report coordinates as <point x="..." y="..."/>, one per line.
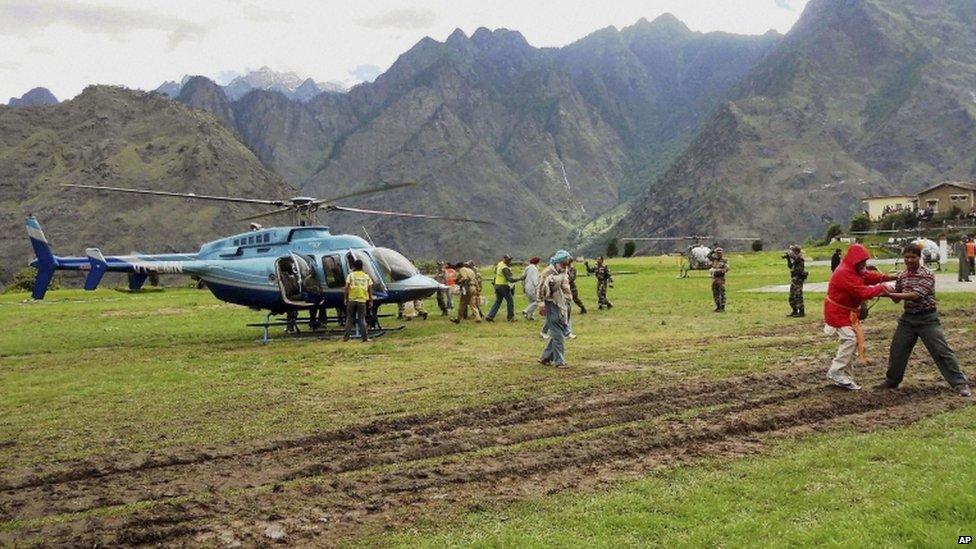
<point x="164" y="267"/>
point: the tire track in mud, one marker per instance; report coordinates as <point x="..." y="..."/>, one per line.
<point x="365" y="472"/>
<point x="373" y="445"/>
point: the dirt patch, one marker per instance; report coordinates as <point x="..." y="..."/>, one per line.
<point x="363" y="479"/>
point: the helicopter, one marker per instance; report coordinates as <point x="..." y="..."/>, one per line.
<point x="931" y="250"/>
<point x="697" y="257"/>
<point x="284" y="270"/>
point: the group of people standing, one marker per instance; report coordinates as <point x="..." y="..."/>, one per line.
<point x="550" y="291"/>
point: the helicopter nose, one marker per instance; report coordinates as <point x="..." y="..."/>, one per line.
<point x="415" y="287"/>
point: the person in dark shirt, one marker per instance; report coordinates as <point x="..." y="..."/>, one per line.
<point x="835" y="260"/>
<point x="916" y="287"/>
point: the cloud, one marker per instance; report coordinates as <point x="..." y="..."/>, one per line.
<point x="21" y="17"/>
<point x="401" y="18"/>
<point x="366" y="73"/>
<point x="259" y="14"/>
<point x="785" y="5"/>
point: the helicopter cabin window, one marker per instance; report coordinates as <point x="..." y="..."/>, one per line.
<point x="267" y="238"/>
<point x="396" y="266"/>
<point x="333" y="272"/>
<point x="310" y="233"/>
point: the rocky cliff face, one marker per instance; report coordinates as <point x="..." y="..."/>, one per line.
<point x="118" y="137"/>
<point x="202" y="93"/>
<point x="540" y="140"/>
<point x="862" y="97"/>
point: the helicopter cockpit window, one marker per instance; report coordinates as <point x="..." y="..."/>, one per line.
<point x="380" y="283"/>
<point x="391" y="261"/>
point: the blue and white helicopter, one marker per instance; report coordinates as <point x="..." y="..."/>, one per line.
<point x="284" y="270"/>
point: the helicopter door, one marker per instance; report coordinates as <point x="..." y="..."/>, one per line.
<point x="379" y="287"/>
<point x="291" y="270"/>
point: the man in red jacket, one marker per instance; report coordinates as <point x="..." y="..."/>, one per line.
<point x="850" y="285"/>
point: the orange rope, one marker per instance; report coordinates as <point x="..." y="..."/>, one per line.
<point x="855" y="316"/>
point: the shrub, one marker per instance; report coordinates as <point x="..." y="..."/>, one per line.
<point x="630" y="247"/>
<point x="905" y="219"/>
<point x="757" y="245"/>
<point x="860" y="223"/>
<point x="612" y="248"/>
<point x="23" y="281"/>
<point x="951" y="215"/>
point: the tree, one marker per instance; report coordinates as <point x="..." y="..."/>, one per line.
<point x="860" y="223"/>
<point x="629" y="248"/>
<point x="833" y="232"/>
<point x="757" y="245"/>
<point x="612" y="248"/>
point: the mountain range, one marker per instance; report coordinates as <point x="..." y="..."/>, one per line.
<point x="289" y="84"/>
<point x="650" y="130"/>
<point x="539" y="140"/>
<point x="118" y="137"/>
<point x="863" y="97"/>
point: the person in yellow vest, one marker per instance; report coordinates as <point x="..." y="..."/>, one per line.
<point x="503" y="289"/>
<point x="358" y="299"/>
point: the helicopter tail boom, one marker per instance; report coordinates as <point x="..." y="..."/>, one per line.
<point x="96" y="264"/>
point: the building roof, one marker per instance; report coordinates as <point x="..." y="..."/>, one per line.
<point x="880" y="197"/>
<point x="960" y="184"/>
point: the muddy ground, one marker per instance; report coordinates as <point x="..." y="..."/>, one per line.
<point x="344" y="484"/>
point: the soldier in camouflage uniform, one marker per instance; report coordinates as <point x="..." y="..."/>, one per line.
<point x="467" y="281"/>
<point x="571" y="275"/>
<point x="798" y="275"/>
<point x="719" y="267"/>
<point x="603" y="279"/>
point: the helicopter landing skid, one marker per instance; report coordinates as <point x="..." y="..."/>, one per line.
<point x="321" y="330"/>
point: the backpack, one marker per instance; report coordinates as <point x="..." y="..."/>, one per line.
<point x="543" y="292"/>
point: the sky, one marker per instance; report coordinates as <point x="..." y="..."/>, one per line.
<point x="65" y="45"/>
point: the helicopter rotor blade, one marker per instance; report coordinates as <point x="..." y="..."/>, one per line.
<point x="266" y="214"/>
<point x="332" y="207"/>
<point x="178" y="195"/>
<point x="671" y="238"/>
<point x="384" y="188"/>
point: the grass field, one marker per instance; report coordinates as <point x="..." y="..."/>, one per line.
<point x="158" y="417"/>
